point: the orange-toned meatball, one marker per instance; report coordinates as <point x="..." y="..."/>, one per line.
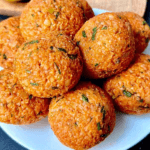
<point x="82" y="117"/>
<point x="141" y="31"/>
<point x="16" y="106"/>
<point x="42" y="17"/>
<point x="130" y="89"/>
<point x="10" y="40"/>
<point x="48" y="67"/>
<point x="107" y="44"/>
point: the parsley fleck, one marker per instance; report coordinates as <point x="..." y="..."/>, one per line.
<point x="141" y="100"/>
<point x="62" y="49"/>
<point x="57" y="14"/>
<point x="28" y="71"/>
<point x="32" y="15"/>
<point x="32" y="42"/>
<point x="103" y="111"/>
<point x="149" y="60"/>
<point x="78" y="42"/>
<point x="4" y="56"/>
<point x="119" y="17"/>
<point x="18" y="27"/>
<point x="54" y="87"/>
<point x="98" y="126"/>
<point x="57" y="68"/>
<point x="34" y="84"/>
<point x="51" y="47"/>
<point x="127" y="93"/>
<point x="94" y="33"/>
<point x="84" y="98"/>
<point x="144" y="22"/>
<point x="84" y="34"/>
<point x="17" y="46"/>
<point x="104" y="28"/>
<point x="30" y="97"/>
<point x="60" y="7"/>
<point x="75" y="124"/>
<point x="37" y="25"/>
<point x="72" y="56"/>
<point x="96" y="64"/>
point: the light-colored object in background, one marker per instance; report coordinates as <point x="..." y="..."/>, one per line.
<point x="137" y="6"/>
<point x="126" y="128"/>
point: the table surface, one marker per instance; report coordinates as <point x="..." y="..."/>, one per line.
<point x="6" y="143"/>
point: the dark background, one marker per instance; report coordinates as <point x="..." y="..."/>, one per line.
<point x="6" y="143"/>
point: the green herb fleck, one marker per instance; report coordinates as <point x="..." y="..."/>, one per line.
<point x="84" y="34"/>
<point x="127" y="93"/>
<point x="30" y="54"/>
<point x="28" y="71"/>
<point x="57" y="68"/>
<point x="144" y="22"/>
<point x="54" y="87"/>
<point x="98" y="126"/>
<point x="51" y="47"/>
<point x="30" y="97"/>
<point x="60" y="7"/>
<point x="147" y="40"/>
<point x="51" y="10"/>
<point x="4" y="56"/>
<point x="72" y="56"/>
<point x="37" y="25"/>
<point x="57" y="14"/>
<point x="113" y="97"/>
<point x="141" y="100"/>
<point x="11" y="115"/>
<point x="32" y="42"/>
<point x="62" y="49"/>
<point x="78" y="42"/>
<point x="94" y="33"/>
<point x="149" y="60"/>
<point x="22" y="117"/>
<point x="34" y="84"/>
<point x="104" y="112"/>
<point x="75" y="124"/>
<point x="96" y="64"/>
<point x="17" y="46"/>
<point x="119" y="17"/>
<point x="84" y="98"/>
<point x="32" y="15"/>
<point x="104" y="28"/>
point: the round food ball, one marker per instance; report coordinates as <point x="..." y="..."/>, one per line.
<point x="107" y="45"/>
<point x="82" y="117"/>
<point x="42" y="17"/>
<point x="141" y="30"/>
<point x="130" y="89"/>
<point x="48" y="67"/>
<point x="16" y="106"/>
<point x="10" y="40"/>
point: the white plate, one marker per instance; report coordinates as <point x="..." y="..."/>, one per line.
<point x="128" y="131"/>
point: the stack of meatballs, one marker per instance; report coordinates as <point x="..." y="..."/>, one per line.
<point x="46" y="50"/>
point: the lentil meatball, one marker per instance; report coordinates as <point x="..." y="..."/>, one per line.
<point x="140" y="29"/>
<point x="107" y="45"/>
<point x="42" y="17"/>
<point x="10" y="40"/>
<point x="130" y="89"/>
<point x="16" y="106"/>
<point x="48" y="67"/>
<point x="82" y="117"/>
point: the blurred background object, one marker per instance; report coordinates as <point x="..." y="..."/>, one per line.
<point x="137" y="6"/>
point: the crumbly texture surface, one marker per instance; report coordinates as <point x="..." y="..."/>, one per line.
<point x="10" y="40"/>
<point x="107" y="45"/>
<point x="141" y="30"/>
<point x="130" y="89"/>
<point x="82" y="117"/>
<point x="42" y="17"/>
<point x="16" y="106"/>
<point x="48" y="67"/>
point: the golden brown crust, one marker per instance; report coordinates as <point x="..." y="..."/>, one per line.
<point x="131" y="88"/>
<point x="42" y="17"/>
<point x="10" y="40"/>
<point x="107" y="44"/>
<point x="82" y="117"/>
<point x="141" y="30"/>
<point x="48" y="67"/>
<point x="16" y="106"/>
